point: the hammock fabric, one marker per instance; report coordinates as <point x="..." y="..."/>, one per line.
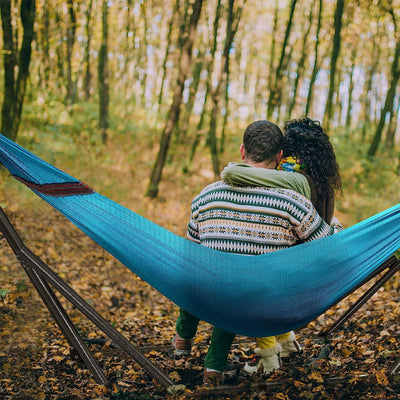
<point x="250" y="295"/>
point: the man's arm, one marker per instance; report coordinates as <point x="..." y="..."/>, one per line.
<point x="242" y="174"/>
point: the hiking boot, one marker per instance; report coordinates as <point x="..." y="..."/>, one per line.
<point x="182" y="347"/>
<point x="213" y="378"/>
<point x="289" y="346"/>
<point x="266" y="359"/>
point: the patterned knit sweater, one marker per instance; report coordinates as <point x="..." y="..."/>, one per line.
<point x="253" y="220"/>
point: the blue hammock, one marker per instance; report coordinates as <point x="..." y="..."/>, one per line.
<point x="250" y="295"/>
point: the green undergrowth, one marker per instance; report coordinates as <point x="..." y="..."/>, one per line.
<point x="69" y="138"/>
<point x="370" y="184"/>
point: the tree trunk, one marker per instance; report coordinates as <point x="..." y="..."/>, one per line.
<point x="210" y="64"/>
<point x="164" y="66"/>
<point x="350" y="93"/>
<point x="183" y="31"/>
<point x="391" y="132"/>
<point x="227" y="74"/>
<point x="276" y="88"/>
<point x="334" y="58"/>
<point x="192" y="94"/>
<point x="60" y="52"/>
<point x="173" y="115"/>
<point x="14" y="88"/>
<point x="272" y="58"/>
<point x="316" y="62"/>
<point x="300" y="65"/>
<point x="45" y="39"/>
<point x="376" y="53"/>
<point x="143" y="79"/>
<point x="103" y="75"/>
<point x="71" y="32"/>
<point x="88" y="30"/>
<point x="337" y="104"/>
<point x="388" y="107"/>
<point x="231" y="28"/>
<point x="128" y="73"/>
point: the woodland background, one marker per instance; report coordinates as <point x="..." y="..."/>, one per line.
<point x="146" y="101"/>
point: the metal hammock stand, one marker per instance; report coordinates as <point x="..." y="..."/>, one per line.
<point x="45" y="280"/>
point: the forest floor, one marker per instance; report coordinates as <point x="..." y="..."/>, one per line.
<point x="36" y="361"/>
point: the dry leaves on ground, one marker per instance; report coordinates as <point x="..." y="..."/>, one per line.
<point x="36" y="361"/>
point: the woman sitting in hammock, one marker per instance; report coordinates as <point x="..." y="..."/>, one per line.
<point x="308" y="151"/>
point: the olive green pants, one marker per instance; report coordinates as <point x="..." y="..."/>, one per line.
<point x="221" y="340"/>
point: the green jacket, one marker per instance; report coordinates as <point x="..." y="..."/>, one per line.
<point x="241" y="174"/>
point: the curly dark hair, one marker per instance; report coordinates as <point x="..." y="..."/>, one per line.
<point x="262" y="140"/>
<point x="306" y="140"/>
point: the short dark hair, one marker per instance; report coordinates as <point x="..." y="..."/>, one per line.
<point x="262" y="141"/>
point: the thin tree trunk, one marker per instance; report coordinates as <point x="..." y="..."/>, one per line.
<point x="257" y="95"/>
<point x="192" y="94"/>
<point x="164" y="66"/>
<point x="60" y="53"/>
<point x="10" y="64"/>
<point x="103" y="75"/>
<point x="337" y="104"/>
<point x="316" y="61"/>
<point x="300" y="65"/>
<point x="351" y="89"/>
<point x="388" y="107"/>
<point x="144" y="53"/>
<point x="46" y="45"/>
<point x="183" y="31"/>
<point x="14" y="88"/>
<point x="231" y="28"/>
<point x="391" y="132"/>
<point x="88" y="30"/>
<point x="210" y="65"/>
<point x="275" y="90"/>
<point x="283" y="96"/>
<point x="227" y="74"/>
<point x="376" y="53"/>
<point x="272" y="58"/>
<point x="130" y="33"/>
<point x="335" y="55"/>
<point x="173" y="114"/>
<point x="71" y="32"/>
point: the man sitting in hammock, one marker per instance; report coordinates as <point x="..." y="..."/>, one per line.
<point x="250" y="220"/>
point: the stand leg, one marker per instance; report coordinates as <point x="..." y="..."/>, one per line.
<point x="54" y="280"/>
<point x="396" y="368"/>
<point x="42" y="276"/>
<point x="65" y="324"/>
<point x="393" y="269"/>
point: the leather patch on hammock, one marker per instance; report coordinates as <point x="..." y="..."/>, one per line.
<point x="62" y="189"/>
